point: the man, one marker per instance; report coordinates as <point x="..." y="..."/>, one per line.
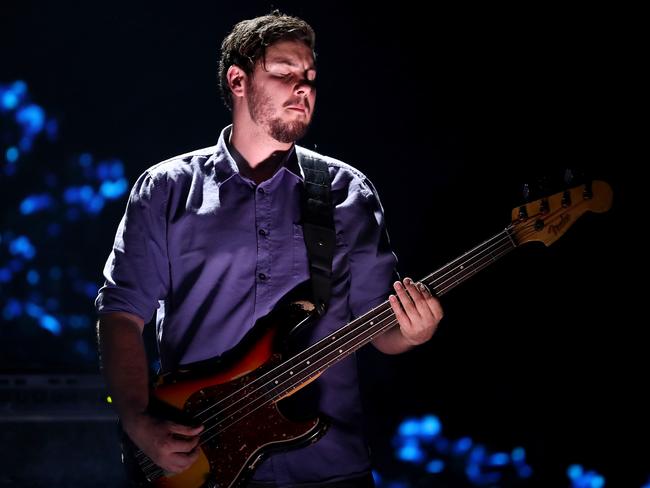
<point x="212" y="240"/>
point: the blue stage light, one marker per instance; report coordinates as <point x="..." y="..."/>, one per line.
<point x="19" y="87"/>
<point x="51" y="324"/>
<point x="117" y="170"/>
<point x="574" y="471"/>
<point x="409" y="427"/>
<point x="518" y="455"/>
<point x="21" y="246"/>
<point x="12" y="309"/>
<point x="435" y="466"/>
<point x="86" y="193"/>
<point x="35" y="203"/>
<point x="33" y="277"/>
<point x="411" y="452"/>
<point x="376" y="477"/>
<point x="33" y="310"/>
<point x="477" y="455"/>
<point x="113" y="189"/>
<point x="9" y="101"/>
<point x="498" y="459"/>
<point x="11" y="154"/>
<point x="103" y="171"/>
<point x="32" y="118"/>
<point x="71" y="195"/>
<point x="584" y="479"/>
<point x="95" y="205"/>
<point x="462" y="445"/>
<point x="430" y="426"/>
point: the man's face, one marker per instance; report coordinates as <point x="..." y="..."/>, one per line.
<point x="281" y="93"/>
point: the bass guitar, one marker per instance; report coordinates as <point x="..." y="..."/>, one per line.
<point x="236" y="395"/>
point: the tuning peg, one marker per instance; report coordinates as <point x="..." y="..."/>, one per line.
<point x="544" y="189"/>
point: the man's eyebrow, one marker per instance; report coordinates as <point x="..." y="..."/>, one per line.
<point x="289" y="62"/>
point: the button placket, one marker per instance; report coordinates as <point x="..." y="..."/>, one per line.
<point x="262" y="209"/>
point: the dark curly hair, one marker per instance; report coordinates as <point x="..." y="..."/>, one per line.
<point x="248" y="40"/>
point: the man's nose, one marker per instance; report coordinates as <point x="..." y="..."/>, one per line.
<point x="303" y="88"/>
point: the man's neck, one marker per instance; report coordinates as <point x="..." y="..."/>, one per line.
<point x="258" y="156"/>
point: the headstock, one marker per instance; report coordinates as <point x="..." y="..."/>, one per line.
<point x="546" y="219"/>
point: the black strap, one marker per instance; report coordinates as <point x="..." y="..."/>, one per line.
<point x="318" y="228"/>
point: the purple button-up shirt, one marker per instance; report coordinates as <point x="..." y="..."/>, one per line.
<point x="211" y="252"/>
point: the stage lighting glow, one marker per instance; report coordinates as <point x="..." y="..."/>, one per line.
<point x="462" y="445"/>
<point x="113" y="189"/>
<point x="33" y="277"/>
<point x="518" y="454"/>
<point x="499" y="459"/>
<point x="32" y="118"/>
<point x="435" y="466"/>
<point x="50" y="323"/>
<point x="11" y="154"/>
<point x="21" y="246"/>
<point x="35" y="203"/>
<point x="411" y="452"/>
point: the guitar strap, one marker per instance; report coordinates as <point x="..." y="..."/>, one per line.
<point x="318" y="228"/>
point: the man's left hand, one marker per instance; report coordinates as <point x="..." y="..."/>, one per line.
<point x="417" y="311"/>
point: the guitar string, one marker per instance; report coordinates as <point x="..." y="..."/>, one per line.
<point x="319" y="343"/>
<point x="313" y="372"/>
<point x="472" y="270"/>
<point x="467" y="273"/>
<point x="296" y="360"/>
<point x="307" y="373"/>
<point x="303" y="373"/>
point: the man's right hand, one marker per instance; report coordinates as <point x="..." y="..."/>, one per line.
<point x="172" y="446"/>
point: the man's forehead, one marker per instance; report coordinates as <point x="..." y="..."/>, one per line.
<point x="292" y="53"/>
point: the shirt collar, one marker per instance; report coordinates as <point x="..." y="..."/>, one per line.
<point x="225" y="160"/>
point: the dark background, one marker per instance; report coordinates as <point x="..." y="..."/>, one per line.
<point x="449" y="112"/>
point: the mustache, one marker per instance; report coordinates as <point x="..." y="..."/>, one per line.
<point x="297" y="101"/>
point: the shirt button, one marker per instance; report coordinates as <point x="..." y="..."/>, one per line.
<point x="262" y="232"/>
<point x="262" y="276"/>
<point x="261" y="190"/>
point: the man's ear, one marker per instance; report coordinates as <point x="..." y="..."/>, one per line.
<point x="236" y="81"/>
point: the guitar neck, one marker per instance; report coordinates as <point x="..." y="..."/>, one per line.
<point x="311" y="362"/>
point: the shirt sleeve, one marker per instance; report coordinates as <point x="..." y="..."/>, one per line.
<point x="372" y="262"/>
<point x="137" y="270"/>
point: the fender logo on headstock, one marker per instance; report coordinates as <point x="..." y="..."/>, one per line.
<point x="556" y="229"/>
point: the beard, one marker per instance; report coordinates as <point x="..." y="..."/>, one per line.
<point x="260" y="108"/>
